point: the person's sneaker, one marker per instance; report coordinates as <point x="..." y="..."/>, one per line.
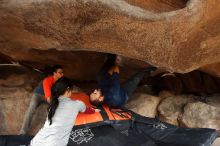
<point x="147" y="72"/>
<point x="150" y="69"/>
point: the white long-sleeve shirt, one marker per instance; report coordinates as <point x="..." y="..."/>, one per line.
<point x="57" y="134"/>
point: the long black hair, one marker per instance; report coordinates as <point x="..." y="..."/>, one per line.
<point x="61" y="86"/>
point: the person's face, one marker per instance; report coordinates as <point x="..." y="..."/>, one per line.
<point x="118" y="60"/>
<point x="59" y="73"/>
<point x="96" y="95"/>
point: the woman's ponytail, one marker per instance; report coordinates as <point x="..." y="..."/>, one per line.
<point x="52" y="108"/>
<point x="61" y="86"/>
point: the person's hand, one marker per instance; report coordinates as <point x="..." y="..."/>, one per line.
<point x="97" y="110"/>
<point x="118" y="60"/>
<point x="48" y="100"/>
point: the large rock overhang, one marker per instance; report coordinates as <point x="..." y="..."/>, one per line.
<point x="179" y="39"/>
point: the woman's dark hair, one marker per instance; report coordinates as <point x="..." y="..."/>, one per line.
<point x="110" y="62"/>
<point x="61" y="86"/>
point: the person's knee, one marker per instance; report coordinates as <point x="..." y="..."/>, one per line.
<point x="35" y="99"/>
<point x="33" y="106"/>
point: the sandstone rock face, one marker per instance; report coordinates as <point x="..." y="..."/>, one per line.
<point x="16" y="85"/>
<point x="214" y="100"/>
<point x="165" y="94"/>
<point x="171" y="109"/>
<point x="201" y="115"/>
<point x="13" y="110"/>
<point x="144" y="104"/>
<point x="178" y="36"/>
<point x="212" y="69"/>
<point x="4" y="59"/>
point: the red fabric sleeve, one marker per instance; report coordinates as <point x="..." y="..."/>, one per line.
<point x="47" y="84"/>
<point x="89" y="110"/>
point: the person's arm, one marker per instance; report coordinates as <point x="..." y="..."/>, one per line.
<point x="81" y="106"/>
<point x="47" y="89"/>
<point x="87" y="110"/>
<point x="91" y="110"/>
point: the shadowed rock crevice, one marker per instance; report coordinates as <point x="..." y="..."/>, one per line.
<point x="4" y="59"/>
<point x="195" y="82"/>
<point x="79" y="65"/>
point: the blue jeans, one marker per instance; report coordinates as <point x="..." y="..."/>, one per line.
<point x="131" y="84"/>
<point x="116" y="94"/>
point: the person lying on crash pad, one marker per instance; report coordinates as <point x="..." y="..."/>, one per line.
<point x="62" y="113"/>
<point x="111" y="91"/>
